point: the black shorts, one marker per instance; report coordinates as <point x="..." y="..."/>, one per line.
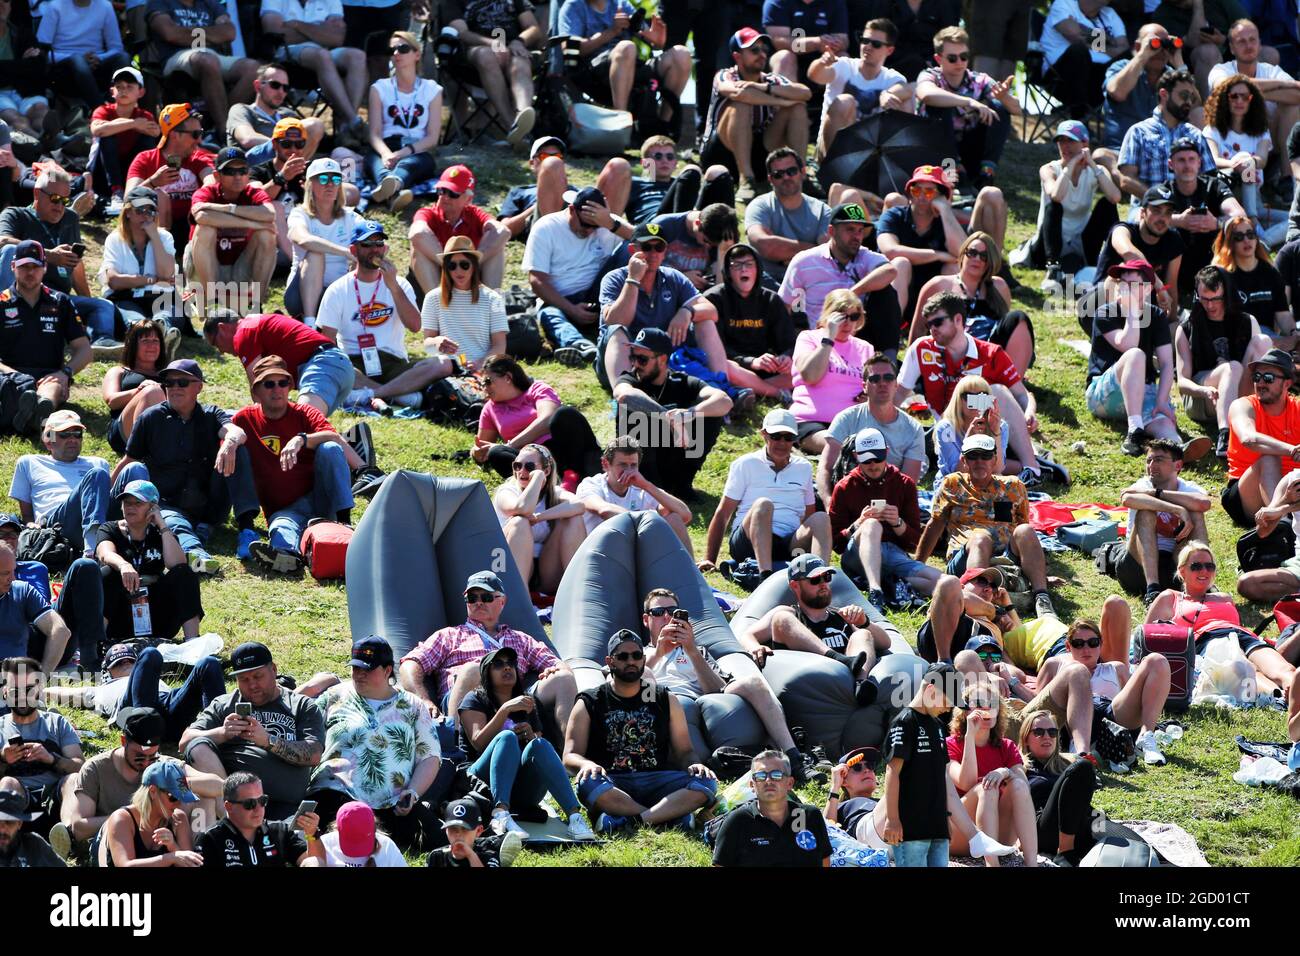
<point x="808" y="429"/>
<point x="740" y="547"/>
<point x="715" y="153"/>
<point x="1132" y="580"/>
<point x="370" y="27"/>
<point x="1230" y="498"/>
<point x="116" y="440"/>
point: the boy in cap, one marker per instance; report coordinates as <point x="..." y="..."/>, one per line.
<point x="233" y="237"/>
<point x="453" y="213"/>
<point x="769" y="494"/>
<point x="876" y="522"/>
<point x="122" y="128"/>
<point x="466" y="846"/>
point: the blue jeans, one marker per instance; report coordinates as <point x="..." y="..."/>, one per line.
<point x="411" y="171"/>
<point x="99" y="315"/>
<point x="81" y="605"/>
<point x="562" y="333"/>
<point x="85" y="509"/>
<point x="331" y="493"/>
<point x="178" y="707"/>
<point x="646" y="787"/>
<point x="522" y="777"/>
<point x="192" y="531"/>
<point x="918" y="853"/>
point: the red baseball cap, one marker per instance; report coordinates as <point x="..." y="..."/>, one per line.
<point x="746" y="37"/>
<point x="458" y="179"/>
<point x="1147" y="270"/>
<point x="992" y="575"/>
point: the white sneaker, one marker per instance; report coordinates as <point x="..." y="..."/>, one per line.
<point x="511" y="844"/>
<point x="384" y="191"/>
<point x="61" y="840"/>
<point x="1150" y="748"/>
<point x="579" y="828"/>
<point x="203" y="563"/>
<point x="503" y="823"/>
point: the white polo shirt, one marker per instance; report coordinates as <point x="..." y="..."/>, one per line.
<point x="790" y="490"/>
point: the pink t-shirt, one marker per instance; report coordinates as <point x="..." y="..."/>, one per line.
<point x="512" y="417"/>
<point x="988" y="757"/>
<point x="838" y="387"/>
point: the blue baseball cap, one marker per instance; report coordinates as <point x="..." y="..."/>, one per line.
<point x="367" y="229"/>
<point x="1072" y="129"/>
<point x="982" y="640"/>
<point x="144" y="490"/>
<point x="371" y="652"/>
<point x="168" y="776"/>
<point x="10" y="520"/>
<point x="186" y="367"/>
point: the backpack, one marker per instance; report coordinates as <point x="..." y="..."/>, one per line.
<point x="1255" y="553"/>
<point x="457" y="400"/>
<point x="48" y="545"/>
<point x="1177" y="643"/>
<point x="1088" y="535"/>
<point x="324" y="545"/>
<point x="1109" y="557"/>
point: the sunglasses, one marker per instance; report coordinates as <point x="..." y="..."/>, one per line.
<point x="785" y="172"/>
<point x="401" y="48"/>
<point x="993" y="656"/>
<point x="1241" y="97"/>
<point x="1050" y="732"/>
<point x="822" y="578"/>
<point x="234" y="171"/>
<point x="449" y="193"/>
<point x="373" y="244"/>
<point x="775" y="775"/>
<point x="1078" y="642"/>
<point x="275" y="84"/>
<point x="147" y="211"/>
<point x="252" y="803"/>
<point x="1243" y="236"/>
<point x="860" y="765"/>
<point x="663" y="157"/>
<point x="626" y="656"/>
<point x="56" y="198"/>
<point x="957" y="57"/>
<point x="1203" y="566"/>
<point x="1268" y="378"/>
<point x="172" y="798"/>
<point x="929" y="192"/>
<point x="479" y="597"/>
<point x="329" y="179"/>
<point x="935" y="321"/>
<point x="977" y="455"/>
<point x="661" y="611"/>
<point x="640" y="359"/>
<point x="549" y="153"/>
<point x="296" y="145"/>
<point x="502" y="662"/>
<point x="779" y="436"/>
<point x="653" y="247"/>
<point x="176" y="382"/>
<point x="459" y="265"/>
<point x="978" y="254"/>
<point x="276" y="382"/>
<point x="196" y="133"/>
<point x="528" y="466"/>
<point x="882" y="377"/>
<point x="874" y="44"/>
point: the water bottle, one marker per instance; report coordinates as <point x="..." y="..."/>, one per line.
<point x="1163" y="739"/>
<point x="1174" y="731"/>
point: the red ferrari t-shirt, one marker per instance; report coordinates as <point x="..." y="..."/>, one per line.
<point x="230" y="242"/>
<point x="280" y="335"/>
<point x="933" y="366"/>
<point x="987" y="758"/>
<point x="471" y="223"/>
<point x="276" y="488"/>
<point x="128" y="143"/>
<point x="190" y="178"/>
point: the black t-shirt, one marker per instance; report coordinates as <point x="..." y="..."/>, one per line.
<point x="291" y="194"/>
<point x="30" y="851"/>
<point x="646" y="197"/>
<point x="898" y="222"/>
<point x="486" y="848"/>
<point x="277" y="843"/>
<point x="851" y="812"/>
<point x="754" y="325"/>
<point x="1211" y="192"/>
<point x="1159" y="253"/>
<point x="1292" y="154"/>
<point x="146" y="556"/>
<point x="679" y="390"/>
<point x="33" y="337"/>
<point x="179" y="454"/>
<point x="628" y="734"/>
<point x="834" y="631"/>
<point x="477" y="700"/>
<point x="485" y="16"/>
<point x="919" y="741"/>
<point x="1262" y="292"/>
<point x="747" y="838"/>
<point x="22" y="222"/>
<point x="1288" y="267"/>
<point x="1154" y="333"/>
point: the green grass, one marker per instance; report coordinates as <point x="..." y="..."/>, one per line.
<point x="306" y="625"/>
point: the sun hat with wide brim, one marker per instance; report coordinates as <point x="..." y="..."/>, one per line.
<point x="459" y="246"/>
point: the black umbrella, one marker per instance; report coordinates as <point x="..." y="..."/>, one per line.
<point x="880" y="152"/>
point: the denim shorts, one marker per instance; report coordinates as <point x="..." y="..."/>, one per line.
<point x="897" y="563"/>
<point x="1106" y="398"/>
<point x="957" y="560"/>
<point x="647" y="787"/>
<point x="916" y="853"/>
<point x="329" y="375"/>
<point x="10" y="100"/>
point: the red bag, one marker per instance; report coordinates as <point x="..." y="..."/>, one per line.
<point x="1178" y="644"/>
<point x="325" y="547"/>
<point x="1286" y="612"/>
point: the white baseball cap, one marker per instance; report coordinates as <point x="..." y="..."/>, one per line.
<point x="869" y="445"/>
<point x="780" y="420"/>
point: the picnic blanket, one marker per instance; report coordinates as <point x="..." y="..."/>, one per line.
<point x="1047" y="516"/>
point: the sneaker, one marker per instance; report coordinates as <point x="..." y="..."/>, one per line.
<point x="362" y="442"/>
<point x="385" y="190"/>
<point x="1149" y="747"/>
<point x="575" y="357"/>
<point x="44" y="409"/>
<point x="1054" y="281"/>
<point x="521" y="127"/>
<point x="359" y="397"/>
<point x="1221" y="444"/>
<point x="1149" y="596"/>
<point x="511" y="844"/>
<point x="276" y="560"/>
<point x="806" y="772"/>
<point x="607" y="823"/>
<point x="503" y="823"/>
<point x="171" y="340"/>
<point x="26" y="412"/>
<point x="744" y="401"/>
<point x="1135" y="442"/>
<point x="366" y="481"/>
<point x="1043" y="606"/>
<point x="83" y="203"/>
<point x="877" y="599"/>
<point x="113" y="208"/>
<point x="1031" y="479"/>
<point x="401" y="201"/>
<point x="246" y="539"/>
<point x="579" y="828"/>
<point x="61" y="840"/>
<point x="105" y="349"/>
<point x="745" y="191"/>
<point x="727" y="568"/>
<point x="1197" y="448"/>
<point x="203" y="563"/>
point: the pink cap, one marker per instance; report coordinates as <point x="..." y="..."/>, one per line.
<point x="355" y="823"/>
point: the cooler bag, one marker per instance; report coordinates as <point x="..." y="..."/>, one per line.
<point x="325" y="547"/>
<point x="1177" y="643"/>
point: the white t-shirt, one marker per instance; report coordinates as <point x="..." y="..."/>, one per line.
<point x="1076" y="207"/>
<point x="1054" y="44"/>
<point x="848" y="78"/>
<point x="47" y="483"/>
<point x="790" y="490"/>
<point x="339" y="310"/>
<point x="119" y="254"/>
<point x="597" y="486"/>
<point x="338" y="232"/>
<point x="571" y="261"/>
<point x="469" y="324"/>
<point x="406" y="114"/>
<point x="388" y="856"/>
<point x="313" y="11"/>
<point x="1263" y="71"/>
<point x="1234" y="142"/>
<point x="1164" y="520"/>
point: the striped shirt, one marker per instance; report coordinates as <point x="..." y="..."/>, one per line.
<point x="445" y="650"/>
<point x="470" y="325"/>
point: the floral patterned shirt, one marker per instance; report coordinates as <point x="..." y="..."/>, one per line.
<point x="978" y="86"/>
<point x="997" y="509"/>
<point x="373" y="746"/>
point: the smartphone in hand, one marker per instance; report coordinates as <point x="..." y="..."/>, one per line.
<point x="244" y="709"/>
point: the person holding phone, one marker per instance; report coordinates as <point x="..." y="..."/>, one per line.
<point x="828" y="364"/>
<point x="972" y="410"/>
<point x="247" y="838"/>
<point x="501" y="731"/>
<point x="175" y="169"/>
<point x="399" y="771"/>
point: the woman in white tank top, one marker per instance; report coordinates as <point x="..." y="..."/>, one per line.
<point x="542" y="522"/>
<point x="405" y="123"/>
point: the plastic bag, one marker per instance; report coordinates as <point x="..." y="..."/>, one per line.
<point x="191" y="652"/>
<point x="847" y="851"/>
<point x="1225" y="672"/>
<point x="1257" y="772"/>
<point x="741" y="791"/>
